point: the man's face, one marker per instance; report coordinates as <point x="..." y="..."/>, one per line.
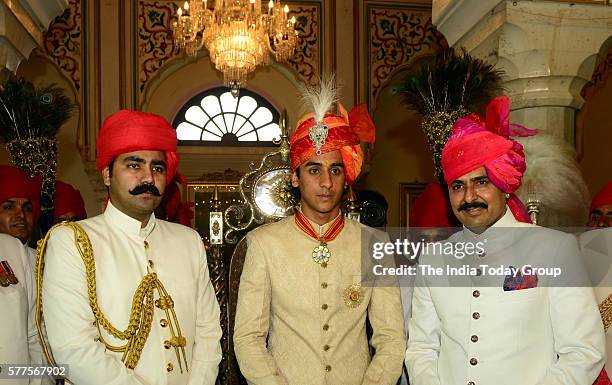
<point x="137" y="183"/>
<point x="476" y="202"/>
<point x="70" y="216"/>
<point x="321" y="183"/>
<point x="601" y="216"/>
<point x="17" y="218"/>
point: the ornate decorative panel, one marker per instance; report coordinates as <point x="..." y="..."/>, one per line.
<point x="63" y="42"/>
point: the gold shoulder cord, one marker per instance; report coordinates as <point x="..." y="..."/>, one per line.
<point x="605" y="309"/>
<point x="141" y="316"/>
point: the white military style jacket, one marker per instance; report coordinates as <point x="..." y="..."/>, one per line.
<point x="295" y="323"/>
<point x="124" y="253"/>
<point x="596" y="247"/>
<point x="18" y="334"/>
<point x="482" y="335"/>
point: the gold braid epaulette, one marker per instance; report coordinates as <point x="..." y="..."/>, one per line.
<point x="605" y="310"/>
<point x="141" y="315"/>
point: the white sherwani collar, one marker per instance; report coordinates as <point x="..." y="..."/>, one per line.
<point x="116" y="218"/>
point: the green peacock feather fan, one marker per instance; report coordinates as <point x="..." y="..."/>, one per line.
<point x="444" y="88"/>
<point x="31" y="112"/>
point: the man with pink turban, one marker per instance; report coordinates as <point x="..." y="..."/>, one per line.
<point x="127" y="297"/>
<point x="507" y="319"/>
<point x="301" y="312"/>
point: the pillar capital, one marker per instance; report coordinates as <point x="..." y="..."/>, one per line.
<point x="547" y="49"/>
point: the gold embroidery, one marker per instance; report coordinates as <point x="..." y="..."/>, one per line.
<point x="353" y="295"/>
<point x="605" y="309"/>
<point x="141" y="316"/>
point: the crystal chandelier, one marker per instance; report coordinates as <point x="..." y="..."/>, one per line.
<point x="239" y="36"/>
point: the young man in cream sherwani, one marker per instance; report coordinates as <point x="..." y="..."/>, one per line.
<point x="301" y="314"/>
<point x="113" y="332"/>
<point x="528" y="329"/>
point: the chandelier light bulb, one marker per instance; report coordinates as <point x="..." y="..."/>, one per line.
<point x="271" y="4"/>
<point x="286" y="9"/>
<point x="186" y="6"/>
<point x="180" y="12"/>
<point x="292" y="19"/>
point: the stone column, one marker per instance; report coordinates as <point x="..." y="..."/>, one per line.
<point x="548" y="50"/>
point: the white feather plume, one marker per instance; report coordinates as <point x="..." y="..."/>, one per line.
<point x="319" y="99"/>
<point x="554" y="176"/>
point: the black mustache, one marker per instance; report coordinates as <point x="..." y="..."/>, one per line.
<point x="145" y="188"/>
<point x="473" y="205"/>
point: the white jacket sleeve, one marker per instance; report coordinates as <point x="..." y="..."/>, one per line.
<point x="423" y="338"/>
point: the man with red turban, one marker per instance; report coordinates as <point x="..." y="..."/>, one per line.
<point x="69" y="204"/>
<point x="601" y="208"/>
<point x="302" y="309"/>
<point x="507" y="319"/>
<point x="19" y="196"/>
<point x="151" y="315"/>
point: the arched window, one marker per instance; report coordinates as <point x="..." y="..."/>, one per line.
<point x="214" y="117"/>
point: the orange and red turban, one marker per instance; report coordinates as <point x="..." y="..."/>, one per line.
<point x="603" y="197"/>
<point x="344" y="133"/>
<point x="68" y="199"/>
<point x="128" y="131"/>
<point x="474" y="143"/>
<point x="18" y="184"/>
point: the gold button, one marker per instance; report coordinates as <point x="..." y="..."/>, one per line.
<point x="167" y="344"/>
<point x="146" y="244"/>
<point x="324" y="306"/>
<point x="151" y="264"/>
<point x="324" y="285"/>
<point x="170" y="367"/>
<point x="324" y="265"/>
<point x="473" y="361"/>
<point x="476" y="293"/>
<point x="326" y="327"/>
<point x="163" y="323"/>
<point x="327" y="368"/>
<point x="471" y="383"/>
<point x="326" y="347"/>
<point x="474" y="338"/>
<point x="476" y="315"/>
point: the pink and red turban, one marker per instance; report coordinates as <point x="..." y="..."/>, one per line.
<point x="345" y="132"/>
<point x="474" y="143"/>
<point x="18" y="184"/>
<point x="603" y="197"/>
<point x="68" y="199"/>
<point x="128" y="131"/>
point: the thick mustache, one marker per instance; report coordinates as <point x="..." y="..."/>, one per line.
<point x="145" y="188"/>
<point x="473" y="205"/>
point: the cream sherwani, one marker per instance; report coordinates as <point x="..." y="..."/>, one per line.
<point x="484" y="335"/>
<point x="124" y="253"/>
<point x="18" y="334"/>
<point x="292" y="323"/>
<point x="596" y="247"/>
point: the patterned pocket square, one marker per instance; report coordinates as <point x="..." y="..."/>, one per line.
<point x="522" y="279"/>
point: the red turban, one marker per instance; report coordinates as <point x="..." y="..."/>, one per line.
<point x="474" y="143"/>
<point x="345" y="131"/>
<point x="603" y="197"/>
<point x="128" y="131"/>
<point x="18" y="184"/>
<point x="68" y="199"/>
<point x="432" y="208"/>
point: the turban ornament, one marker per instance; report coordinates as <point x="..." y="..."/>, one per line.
<point x="321" y="131"/>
